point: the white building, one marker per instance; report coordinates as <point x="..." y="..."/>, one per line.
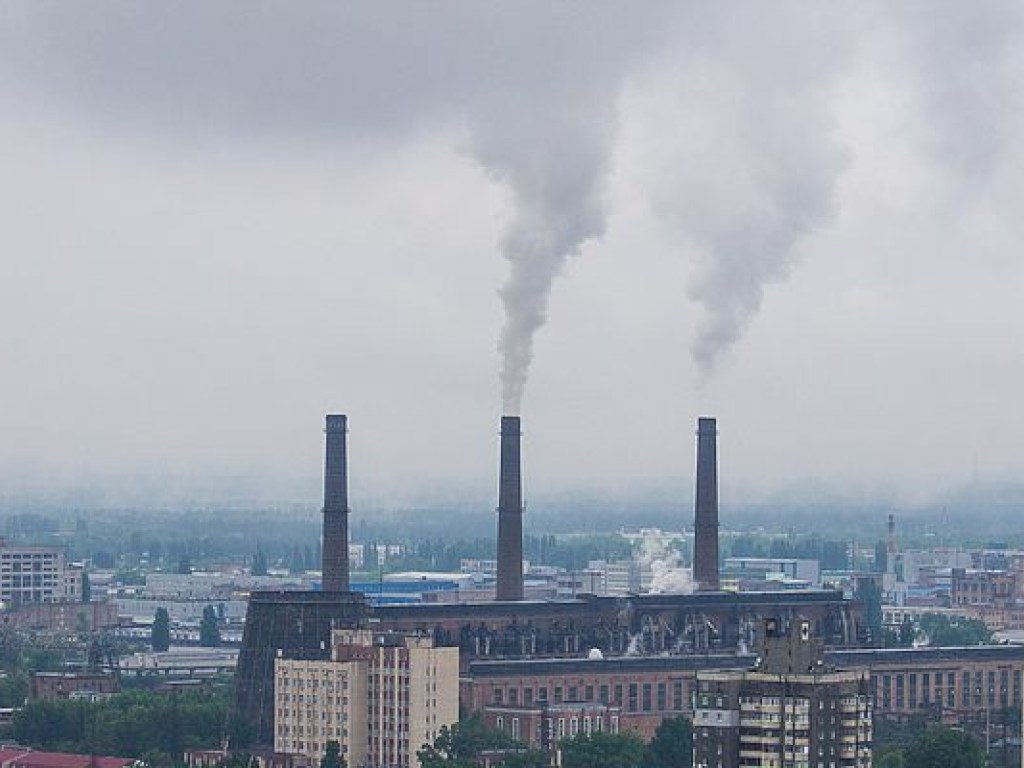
<point x="30" y="575"/>
<point x="382" y="696"/>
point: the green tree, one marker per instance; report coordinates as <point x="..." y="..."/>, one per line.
<point x="672" y="745"/>
<point x="460" y="745"/>
<point x="869" y="593"/>
<point x="259" y="563"/>
<point x="209" y="632"/>
<point x="332" y="756"/>
<point x="602" y="750"/>
<point x="881" y="556"/>
<point x="941" y="630"/>
<point x="890" y="758"/>
<point x="86" y="588"/>
<point x="942" y="747"/>
<point x="160" y="637"/>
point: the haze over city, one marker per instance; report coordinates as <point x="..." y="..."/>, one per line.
<point x="803" y="220"/>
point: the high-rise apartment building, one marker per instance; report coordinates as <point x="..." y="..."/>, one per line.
<point x="381" y="696"/>
<point x="788" y="712"/>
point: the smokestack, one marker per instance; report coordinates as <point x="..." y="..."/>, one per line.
<point x="510" y="513"/>
<point x="705" y="524"/>
<point x="335" y="547"/>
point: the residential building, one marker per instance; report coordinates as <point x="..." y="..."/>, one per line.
<point x="381" y="696"/>
<point x="789" y="711"/>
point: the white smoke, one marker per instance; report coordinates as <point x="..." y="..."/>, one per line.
<point x="556" y="175"/>
<point x="668" y="576"/>
<point x="753" y="162"/>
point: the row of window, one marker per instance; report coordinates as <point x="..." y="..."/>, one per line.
<point x="914" y="690"/>
<point x="634" y="697"/>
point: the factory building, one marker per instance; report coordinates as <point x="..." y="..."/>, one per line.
<point x="297" y="625"/>
<point x="381" y="696"/>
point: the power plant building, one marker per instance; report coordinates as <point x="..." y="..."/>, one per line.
<point x="286" y="627"/>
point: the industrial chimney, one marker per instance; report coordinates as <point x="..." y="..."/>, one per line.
<point x="705" y="524"/>
<point x="335" y="547"/>
<point x="510" y="513"/>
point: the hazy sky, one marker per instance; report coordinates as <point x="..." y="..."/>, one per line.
<point x="222" y="220"/>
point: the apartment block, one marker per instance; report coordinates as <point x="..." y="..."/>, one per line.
<point x="32" y="575"/>
<point x="381" y="696"/>
<point x="791" y="711"/>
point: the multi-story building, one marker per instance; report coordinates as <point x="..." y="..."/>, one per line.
<point x="987" y="588"/>
<point x="381" y="696"/>
<point x="773" y="569"/>
<point x="951" y="685"/>
<point x="790" y="711"/>
<point x="31" y="575"/>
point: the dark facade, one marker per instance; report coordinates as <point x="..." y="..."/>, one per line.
<point x="790" y="710"/>
<point x="296" y="625"/>
<point x="705" y="523"/>
<point x="299" y="623"/>
<point x="510" y="513"/>
<point x="335" y="545"/>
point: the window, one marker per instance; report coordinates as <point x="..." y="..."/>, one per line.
<point x="633" y="697"/>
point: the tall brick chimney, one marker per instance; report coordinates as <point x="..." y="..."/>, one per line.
<point x="510" y="513"/>
<point x="335" y="545"/>
<point x="705" y="524"/>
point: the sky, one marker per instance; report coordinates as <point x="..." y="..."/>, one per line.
<point x="224" y="220"/>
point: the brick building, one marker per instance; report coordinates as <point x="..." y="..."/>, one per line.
<point x="634" y="693"/>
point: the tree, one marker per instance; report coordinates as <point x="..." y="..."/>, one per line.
<point x="942" y="747"/>
<point x="891" y="758"/>
<point x="460" y="745"/>
<point x="602" y="750"/>
<point x="86" y="588"/>
<point x="881" y="556"/>
<point x="332" y="756"/>
<point x="941" y="630"/>
<point x="869" y="593"/>
<point x="160" y="638"/>
<point x="209" y="632"/>
<point x="259" y="563"/>
<point x="672" y="745"/>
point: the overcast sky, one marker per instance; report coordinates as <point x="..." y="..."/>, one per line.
<point x="221" y="221"/>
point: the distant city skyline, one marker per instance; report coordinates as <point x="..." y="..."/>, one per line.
<point x="220" y="227"/>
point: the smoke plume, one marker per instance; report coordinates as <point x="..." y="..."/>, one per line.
<point x="752" y="165"/>
<point x="556" y="183"/>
